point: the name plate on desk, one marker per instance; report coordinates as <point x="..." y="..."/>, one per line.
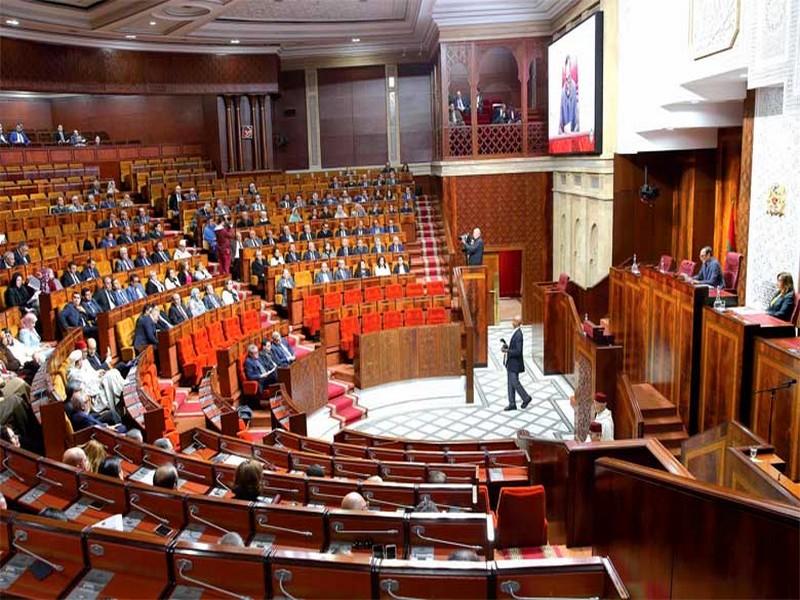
<point x="92" y="585"/>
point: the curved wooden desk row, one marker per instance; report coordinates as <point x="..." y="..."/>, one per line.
<point x="371" y="440"/>
<point x="209" y="445"/>
<point x="111" y="564"/>
<point x="35" y="170"/>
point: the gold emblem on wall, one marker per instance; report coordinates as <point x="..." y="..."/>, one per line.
<point x="776" y="200"/>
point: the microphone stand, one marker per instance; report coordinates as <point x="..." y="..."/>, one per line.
<point x="773" y="392"/>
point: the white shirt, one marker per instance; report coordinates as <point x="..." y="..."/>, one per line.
<point x="228" y="297"/>
<point x="381" y="271"/>
<point x="181" y="254"/>
<point x="607" y="423"/>
<point x="170" y="285"/>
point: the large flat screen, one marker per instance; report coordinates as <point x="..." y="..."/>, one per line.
<point x="575" y="92"/>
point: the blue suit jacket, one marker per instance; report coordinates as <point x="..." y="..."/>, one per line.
<point x="782" y="306"/>
<point x="710" y="273"/>
<point x="72" y="317"/>
<point x="253" y="369"/>
<point x="145" y="333"/>
<point x="514" y="358"/>
<point x="280" y="357"/>
<point x="474" y="252"/>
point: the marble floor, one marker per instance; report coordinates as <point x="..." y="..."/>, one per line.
<point x="435" y="408"/>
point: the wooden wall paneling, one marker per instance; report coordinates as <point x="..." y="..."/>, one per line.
<point x="34" y="113"/>
<point x="728" y="157"/>
<point x="416" y="116"/>
<point x="743" y="203"/>
<point x="36" y="66"/>
<point x="289" y="122"/>
<point x="477" y="290"/>
<point x="267" y="147"/>
<point x="709" y="554"/>
<point x="743" y="475"/>
<point x="776" y="362"/>
<point x="371" y="144"/>
<point x="306" y="381"/>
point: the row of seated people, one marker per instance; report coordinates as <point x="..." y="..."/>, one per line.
<point x="17" y="136"/>
<point x="44" y="219"/>
<point x="47" y="170"/>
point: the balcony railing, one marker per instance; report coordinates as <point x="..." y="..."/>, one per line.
<point x="495" y="141"/>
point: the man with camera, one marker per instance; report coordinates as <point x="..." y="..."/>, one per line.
<point x="472" y="246"/>
<point x="515" y="364"/>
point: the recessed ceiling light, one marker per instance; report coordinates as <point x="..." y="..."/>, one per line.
<point x="234" y="41"/>
<point x="12" y="22"/>
<point x="153" y="23"/>
<point x="355" y="40"/>
<point x="130" y="37"/>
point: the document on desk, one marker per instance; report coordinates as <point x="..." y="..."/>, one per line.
<point x="745" y="310"/>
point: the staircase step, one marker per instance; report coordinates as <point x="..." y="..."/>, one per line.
<point x="344" y="373"/>
<point x="670" y="439"/>
<point x="657" y="425"/>
<point x="261" y="418"/>
<point x="651" y="402"/>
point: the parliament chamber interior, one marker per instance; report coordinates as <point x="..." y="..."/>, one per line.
<point x="399" y="299"/>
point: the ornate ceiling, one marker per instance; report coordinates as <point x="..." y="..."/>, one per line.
<point x="299" y="30"/>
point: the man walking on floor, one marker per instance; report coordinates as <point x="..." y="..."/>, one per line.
<point x="515" y="364"/>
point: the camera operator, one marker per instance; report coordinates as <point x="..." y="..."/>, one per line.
<point x="472" y="246"/>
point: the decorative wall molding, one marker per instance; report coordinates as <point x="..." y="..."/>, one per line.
<point x="392" y="114"/>
<point x="537" y="164"/>
<point x="312" y="114"/>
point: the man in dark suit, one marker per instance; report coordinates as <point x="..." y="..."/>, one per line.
<point x="71" y="275"/>
<point x="145" y="333"/>
<point x="291" y="255"/>
<point x="142" y="260"/>
<point x="325" y="232"/>
<point x="90" y="307"/>
<point x="473" y="247"/>
<point x="211" y="300"/>
<point x="345" y="249"/>
<point x="177" y="313"/>
<point x="307" y="234"/>
<point x="360" y="248"/>
<point x="324" y="275"/>
<point x="342" y="273"/>
<point x="90" y="271"/>
<point x="104" y="296"/>
<point x="311" y="253"/>
<point x="259" y="266"/>
<point x="135" y="289"/>
<point x="93" y="358"/>
<point x="160" y="255"/>
<point x="255" y="370"/>
<point x="396" y="246"/>
<point x="175" y="199"/>
<point x="123" y="263"/>
<point x="282" y="352"/>
<point x="73" y="315"/>
<point x="153" y="285"/>
<point x="711" y="271"/>
<point x="125" y="237"/>
<point x="59" y="137"/>
<point x="515" y="365"/>
<point x="22" y="255"/>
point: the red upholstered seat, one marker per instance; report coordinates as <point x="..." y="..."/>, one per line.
<point x="232" y="329"/>
<point x="414" y="290"/>
<point x="250" y="389"/>
<point x="521" y="521"/>
<point x="436" y="288"/>
<point x="312" y="309"/>
<point x="394" y="291"/>
<point x="191" y="364"/>
<point x="332" y="300"/>
<point x="414" y="317"/>
<point x="687" y="268"/>
<point x="437" y="315"/>
<point x="392" y="319"/>
<point x="370" y="322"/>
<point x="352" y="296"/>
<point x="730" y="271"/>
<point x="373" y="293"/>
<point x="563" y="280"/>
<point x="665" y="263"/>
<point x="215" y="335"/>
<point x="348" y="327"/>
<point x="251" y="321"/>
<point x="483" y="499"/>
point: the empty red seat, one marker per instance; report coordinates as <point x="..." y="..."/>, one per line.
<point x="216" y="337"/>
<point x="232" y="329"/>
<point x="414" y="317"/>
<point x="332" y="300"/>
<point x="202" y="346"/>
<point x="251" y="321"/>
<point x="348" y="327"/>
<point x="312" y="310"/>
<point x="370" y="322"/>
<point x="394" y="291"/>
<point x="665" y="263"/>
<point x="373" y="293"/>
<point x="730" y="271"/>
<point x="191" y="364"/>
<point x="392" y="319"/>
<point x="414" y="290"/>
<point x="521" y="520"/>
<point x="436" y="288"/>
<point x="437" y="315"/>
<point x="687" y="268"/>
<point x="352" y="296"/>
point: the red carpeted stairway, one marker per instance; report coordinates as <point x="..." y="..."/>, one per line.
<point x="343" y="404"/>
<point x="428" y="253"/>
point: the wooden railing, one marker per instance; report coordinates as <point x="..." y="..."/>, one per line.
<point x="469" y="335"/>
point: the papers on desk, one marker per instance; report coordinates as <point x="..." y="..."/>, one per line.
<point x="745" y="310"/>
<point x="114" y="522"/>
<point x="496" y="474"/>
<point x="234" y="460"/>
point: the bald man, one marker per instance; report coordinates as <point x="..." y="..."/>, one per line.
<point x="166" y="476"/>
<point x="473" y="248"/>
<point x="76" y="457"/>
<point x="515" y="364"/>
<point x="354" y="501"/>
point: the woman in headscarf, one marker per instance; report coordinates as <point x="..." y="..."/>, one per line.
<point x="195" y="304"/>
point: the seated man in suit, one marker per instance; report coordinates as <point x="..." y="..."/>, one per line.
<point x="141" y="234"/>
<point x="396" y="246"/>
<point x="126" y="237"/>
<point x="90" y="271"/>
<point x="145" y="332"/>
<point x="401" y="267"/>
<point x="379" y="247"/>
<point x="252" y="240"/>
<point x="135" y="289"/>
<point x="153" y="285"/>
<point x="94" y="359"/>
<point x="73" y="315"/>
<point x="325" y="232"/>
<point x="361" y="247"/>
<point x="345" y="249"/>
<point x="119" y="295"/>
<point x="109" y="241"/>
<point x="71" y="275"/>
<point x="282" y="352"/>
<point x="258" y="267"/>
<point x="22" y="255"/>
<point x="324" y="275"/>
<point x="142" y="217"/>
<point x="123" y="263"/>
<point x="104" y="296"/>
<point x="360" y="229"/>
<point x="18" y="137"/>
<point x="157" y="233"/>
<point x="782" y="304"/>
<point x="177" y="312"/>
<point x="286" y="235"/>
<point x="311" y="252"/>
<point x="391" y="227"/>
<point x="160" y="255"/>
<point x="342" y="273"/>
<point x="307" y="234"/>
<point x="375" y="228"/>
<point x="291" y="256"/>
<point x="142" y="260"/>
<point x="211" y="299"/>
<point x="89" y="304"/>
<point x="59" y="137"/>
<point x="711" y="271"/>
<point x="255" y="370"/>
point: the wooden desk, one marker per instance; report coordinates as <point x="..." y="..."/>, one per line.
<point x="306" y="381"/>
<point x="728" y="341"/>
<point x="407" y="353"/>
<point x="775" y="362"/>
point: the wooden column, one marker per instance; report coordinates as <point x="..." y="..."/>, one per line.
<point x="523" y="73"/>
<point x="257" y="133"/>
<point x="477" y="289"/>
<point x="267" y="150"/>
<point x="472" y="69"/>
<point x="237" y="103"/>
<point x="229" y="129"/>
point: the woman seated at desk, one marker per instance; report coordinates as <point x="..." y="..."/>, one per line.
<point x="782" y="304"/>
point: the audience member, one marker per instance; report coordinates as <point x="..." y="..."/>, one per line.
<point x="247" y="481"/>
<point x="76" y="457"/>
<point x="354" y="501"/>
<point x="111" y="467"/>
<point x="95" y="453"/>
<point x="166" y="477"/>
